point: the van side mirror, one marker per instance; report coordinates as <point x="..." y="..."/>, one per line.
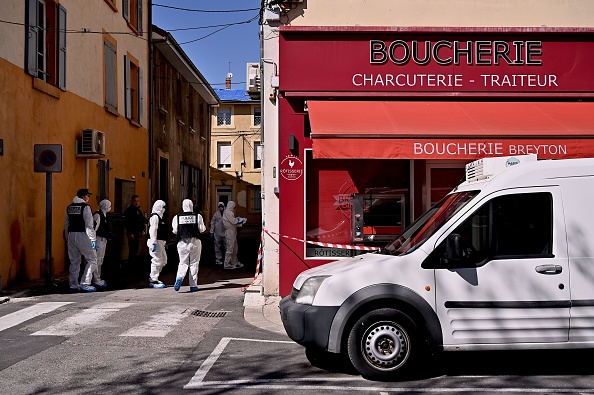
<point x="453" y="250"/>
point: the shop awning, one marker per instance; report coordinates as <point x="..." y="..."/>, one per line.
<point x="450" y="130"/>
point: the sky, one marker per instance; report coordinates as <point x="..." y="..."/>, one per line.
<point x="216" y="42"/>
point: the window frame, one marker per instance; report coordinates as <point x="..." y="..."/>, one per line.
<point x="258" y="161"/>
<point x="133" y="81"/>
<point x="257" y="117"/>
<point x="230" y="117"/>
<point x="220" y="163"/>
<point x="132" y="13"/>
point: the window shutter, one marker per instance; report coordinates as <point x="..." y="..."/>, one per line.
<point x="140" y="95"/>
<point x="32" y="32"/>
<point x="126" y="9"/>
<point x="225" y="154"/>
<point x="61" y="47"/>
<point x="128" y="95"/>
<point x="110" y="75"/>
<point x="258" y="151"/>
<point x="139" y="16"/>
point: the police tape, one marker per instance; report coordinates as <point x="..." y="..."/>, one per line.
<point x="318" y="243"/>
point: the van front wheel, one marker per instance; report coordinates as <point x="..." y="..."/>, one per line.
<point x="382" y="344"/>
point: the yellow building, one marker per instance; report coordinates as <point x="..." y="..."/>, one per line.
<point x="83" y="66"/>
<point x="236" y="155"/>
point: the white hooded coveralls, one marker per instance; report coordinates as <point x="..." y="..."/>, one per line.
<point x="105" y="207"/>
<point x="79" y="244"/>
<point x="218" y="231"/>
<point x="230" y="222"/>
<point x="159" y="256"/>
<point x="189" y="249"/>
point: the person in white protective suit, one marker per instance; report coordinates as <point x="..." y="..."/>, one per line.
<point x="103" y="232"/>
<point x="231" y="223"/>
<point x="217" y="233"/>
<point x="187" y="226"/>
<point x="156" y="243"/>
<point x="80" y="236"/>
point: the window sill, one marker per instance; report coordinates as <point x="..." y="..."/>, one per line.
<point x="46" y="88"/>
<point x="134" y="123"/>
<point x="112" y="111"/>
<point x="112" y="5"/>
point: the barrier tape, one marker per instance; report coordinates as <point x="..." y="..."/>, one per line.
<point x="243" y="289"/>
<point x="319" y="243"/>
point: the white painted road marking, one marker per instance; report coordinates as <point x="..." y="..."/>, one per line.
<point x="83" y="320"/>
<point x="18" y="317"/>
<point x="196" y="381"/>
<point x="159" y="325"/>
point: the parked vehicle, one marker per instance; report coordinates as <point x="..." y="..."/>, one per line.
<point x="504" y="262"/>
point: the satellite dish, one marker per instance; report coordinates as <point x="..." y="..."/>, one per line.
<point x="229" y="75"/>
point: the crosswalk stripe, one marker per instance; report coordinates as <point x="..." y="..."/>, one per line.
<point x="159" y="325"/>
<point x="18" y="317"/>
<point x="83" y="320"/>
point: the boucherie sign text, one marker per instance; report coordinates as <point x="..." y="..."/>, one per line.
<point x="506" y="62"/>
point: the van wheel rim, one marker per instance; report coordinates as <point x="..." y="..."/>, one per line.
<point x="385" y="346"/>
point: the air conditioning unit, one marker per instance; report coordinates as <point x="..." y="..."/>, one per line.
<point x="253" y="77"/>
<point x="93" y="142"/>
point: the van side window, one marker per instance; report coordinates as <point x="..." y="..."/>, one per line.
<point x="508" y="227"/>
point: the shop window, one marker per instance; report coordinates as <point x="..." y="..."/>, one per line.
<point x="133" y="77"/>
<point x="224" y="155"/>
<point x="224" y="116"/>
<point x="258" y="155"/>
<point x="45" y="53"/>
<point x="110" y="73"/>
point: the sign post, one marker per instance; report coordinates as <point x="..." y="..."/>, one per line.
<point x="48" y="160"/>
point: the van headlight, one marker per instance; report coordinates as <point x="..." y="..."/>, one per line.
<point x="309" y="289"/>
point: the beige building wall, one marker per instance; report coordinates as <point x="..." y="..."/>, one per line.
<point x="34" y="112"/>
<point x="436" y="13"/>
<point x="243" y="136"/>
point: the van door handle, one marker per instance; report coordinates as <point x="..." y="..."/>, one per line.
<point x="549" y="269"/>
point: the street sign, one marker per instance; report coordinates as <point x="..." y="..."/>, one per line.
<point x="48" y="158"/>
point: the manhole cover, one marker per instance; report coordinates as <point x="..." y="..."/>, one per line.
<point x="208" y="314"/>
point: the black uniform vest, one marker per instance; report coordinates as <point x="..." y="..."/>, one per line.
<point x="187" y="225"/>
<point x="162" y="229"/>
<point x="76" y="222"/>
<point x="103" y="230"/>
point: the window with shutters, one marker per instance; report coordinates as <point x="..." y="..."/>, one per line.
<point x="133" y="79"/>
<point x="45" y="47"/>
<point x="224" y="155"/>
<point x="132" y="12"/>
<point x="110" y="73"/>
<point x="257" y="118"/>
<point x="257" y="155"/>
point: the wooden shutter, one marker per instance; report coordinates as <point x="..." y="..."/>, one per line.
<point x="110" y="75"/>
<point x="61" y="47"/>
<point x="139" y="16"/>
<point x="140" y="95"/>
<point x="128" y="95"/>
<point x="32" y="32"/>
<point x="126" y="9"/>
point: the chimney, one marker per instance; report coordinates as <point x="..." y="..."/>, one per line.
<point x="228" y="83"/>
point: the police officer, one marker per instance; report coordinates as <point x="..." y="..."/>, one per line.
<point x="187" y="226"/>
<point x="80" y="235"/>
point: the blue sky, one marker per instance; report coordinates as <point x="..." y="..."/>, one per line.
<point x="214" y="50"/>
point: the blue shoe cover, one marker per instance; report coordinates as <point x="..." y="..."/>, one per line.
<point x="87" y="288"/>
<point x="194" y="289"/>
<point x="156" y="284"/>
<point x="178" y="283"/>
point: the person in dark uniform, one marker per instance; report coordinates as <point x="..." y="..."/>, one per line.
<point x="103" y="233"/>
<point x="158" y="232"/>
<point x="134" y="223"/>
<point x="188" y="226"/>
<point x="81" y="239"/>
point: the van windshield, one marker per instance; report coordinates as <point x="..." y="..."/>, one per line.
<point x="429" y="223"/>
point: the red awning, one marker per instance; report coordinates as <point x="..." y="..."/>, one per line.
<point x="450" y="130"/>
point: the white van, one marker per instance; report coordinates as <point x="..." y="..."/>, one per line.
<point x="505" y="261"/>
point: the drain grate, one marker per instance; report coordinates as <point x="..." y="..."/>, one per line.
<point x="208" y="314"/>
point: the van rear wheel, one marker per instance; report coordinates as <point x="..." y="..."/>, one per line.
<point x="383" y="344"/>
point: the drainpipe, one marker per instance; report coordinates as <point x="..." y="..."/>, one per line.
<point x="151" y="102"/>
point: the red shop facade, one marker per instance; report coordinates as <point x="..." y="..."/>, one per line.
<point x="376" y="124"/>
